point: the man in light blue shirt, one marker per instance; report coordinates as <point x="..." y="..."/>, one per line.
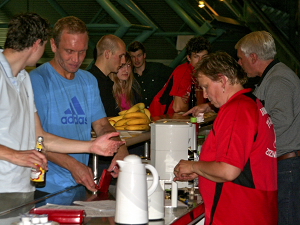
<point x="69" y="104"/>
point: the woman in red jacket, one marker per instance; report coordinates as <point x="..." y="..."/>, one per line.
<point x="238" y="166"/>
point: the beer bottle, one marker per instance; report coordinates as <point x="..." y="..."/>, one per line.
<point x="38" y="176"/>
<point x="193" y="98"/>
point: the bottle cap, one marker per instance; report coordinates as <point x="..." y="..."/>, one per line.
<point x="40" y="139"/>
<point x="193" y="120"/>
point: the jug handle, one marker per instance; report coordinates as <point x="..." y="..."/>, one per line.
<point x="153" y="187"/>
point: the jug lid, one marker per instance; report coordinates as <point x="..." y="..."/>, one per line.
<point x="134" y="159"/>
<point x="132" y="164"/>
<point x="172" y="123"/>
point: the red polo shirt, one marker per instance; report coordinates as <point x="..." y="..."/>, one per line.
<point x="243" y="136"/>
<point x="182" y="82"/>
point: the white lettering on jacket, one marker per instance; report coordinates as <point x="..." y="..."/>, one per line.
<point x="269" y="122"/>
<point x="263" y="111"/>
<point x="271" y="153"/>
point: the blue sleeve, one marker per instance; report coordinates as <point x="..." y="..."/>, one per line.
<point x="39" y="87"/>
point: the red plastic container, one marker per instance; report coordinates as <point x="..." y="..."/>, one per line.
<point x="104" y="181"/>
<point x="62" y="216"/>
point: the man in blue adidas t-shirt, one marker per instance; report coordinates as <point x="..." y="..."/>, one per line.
<point x="69" y="104"/>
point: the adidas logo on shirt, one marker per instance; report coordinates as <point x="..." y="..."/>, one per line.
<point x="74" y="114"/>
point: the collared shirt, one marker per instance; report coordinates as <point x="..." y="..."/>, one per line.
<point x="279" y="89"/>
<point x="17" y="123"/>
<point x="14" y="80"/>
<point x="266" y="71"/>
<point x="153" y="79"/>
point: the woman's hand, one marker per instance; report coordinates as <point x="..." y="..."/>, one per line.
<point x="214" y="171"/>
<point x="184" y="171"/>
<point x="202" y="108"/>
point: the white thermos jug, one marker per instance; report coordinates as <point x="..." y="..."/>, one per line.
<point x="132" y="192"/>
<point x="156" y="201"/>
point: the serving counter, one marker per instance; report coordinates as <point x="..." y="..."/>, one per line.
<point x="14" y="204"/>
<point x="175" y="216"/>
<point x="135" y="137"/>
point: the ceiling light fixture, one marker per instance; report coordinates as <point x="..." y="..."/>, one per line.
<point x="201" y="4"/>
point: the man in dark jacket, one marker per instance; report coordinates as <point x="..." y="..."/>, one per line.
<point x="151" y="75"/>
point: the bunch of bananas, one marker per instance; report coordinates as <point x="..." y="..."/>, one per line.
<point x="135" y="118"/>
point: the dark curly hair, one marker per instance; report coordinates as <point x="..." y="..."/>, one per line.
<point x="196" y="45"/>
<point x="26" y="28"/>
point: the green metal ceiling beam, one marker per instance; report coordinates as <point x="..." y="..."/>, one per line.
<point x="95" y="18"/>
<point x="237" y="12"/>
<point x="192" y="11"/>
<point x="97" y="26"/>
<point x="58" y="8"/>
<point x="4" y="3"/>
<point x="132" y="8"/>
<point x="157" y="34"/>
<point x="117" y="16"/>
<point x="185" y="17"/>
<point x="178" y="59"/>
<point x="116" y="26"/>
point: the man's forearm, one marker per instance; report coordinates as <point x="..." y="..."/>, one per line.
<point x="64" y="160"/>
<point x="101" y="127"/>
<point x="179" y="105"/>
<point x="81" y="173"/>
<point x="6" y="153"/>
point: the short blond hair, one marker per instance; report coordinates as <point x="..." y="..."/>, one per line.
<point x="214" y="64"/>
<point x="108" y="42"/>
<point x="71" y="24"/>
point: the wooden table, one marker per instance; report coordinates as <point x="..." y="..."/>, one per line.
<point x="136" y="137"/>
